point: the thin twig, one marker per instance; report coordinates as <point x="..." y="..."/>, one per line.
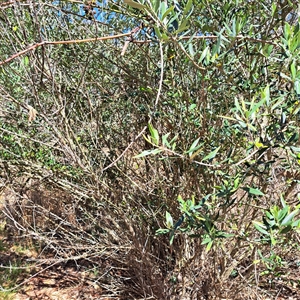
<point x="161" y="74"/>
<point x="123" y="153"/>
<point x="155" y="105"/>
<point x="133" y="32"/>
<point x="246" y="158"/>
<point x="45" y="43"/>
<point x="189" y="57"/>
<point x="212" y="37"/>
<point x="30" y="48"/>
<point x="32" y="276"/>
<point x="126" y="44"/>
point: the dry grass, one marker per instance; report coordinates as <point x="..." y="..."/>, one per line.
<point x="117" y="240"/>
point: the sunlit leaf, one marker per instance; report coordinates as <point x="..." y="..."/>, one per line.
<point x="26" y="61"/>
<point x="169" y="220"/>
<point x="193" y="146"/>
<point x="148" y="152"/>
<point x="254" y="191"/>
<point x="154" y="134"/>
<point x="204" y="54"/>
<point x="289" y="218"/>
<point x="167" y="12"/>
<point x="191" y="50"/>
<point x="188" y="7"/>
<point x="135" y="4"/>
<point x="283" y="212"/>
<point x="212" y="154"/>
<point x="165" y="140"/>
<point x="162" y="231"/>
<point x="260" y="227"/>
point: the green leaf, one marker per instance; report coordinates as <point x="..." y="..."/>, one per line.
<point x="283" y="203"/>
<point x="224" y="235"/>
<point x="188" y="7"/>
<point x="148" y="152"/>
<point x="287" y="31"/>
<point x="253" y="191"/>
<point x="256" y="192"/>
<point x="274" y="7"/>
<point x="273" y="240"/>
<point x="191" y="50"/>
<point x="154" y="134"/>
<point x="289" y="218"/>
<point x="180" y="200"/>
<point x="182" y="26"/>
<point x="193" y="147"/>
<point x="172" y="237"/>
<point x="135" y="4"/>
<point x="192" y="106"/>
<point x="169" y="220"/>
<point x="269" y="215"/>
<point x="293" y="70"/>
<point x="167" y="12"/>
<point x="204" y="53"/>
<point x="162" y="231"/>
<point x="230" y="33"/>
<point x="286" y="229"/>
<point x="283" y="212"/>
<point x="26" y="60"/>
<point x="211" y="154"/>
<point x="208" y="240"/>
<point x="165" y="140"/>
<point x="265" y="95"/>
<point x="237" y="105"/>
<point x="209" y="245"/>
<point x="157" y="32"/>
<point x="297" y="87"/>
<point x="216" y="50"/>
<point x="294" y="43"/>
<point x="260" y="227"/>
<point x="156" y="5"/>
<point x="164" y="37"/>
<point x="163" y="9"/>
<point x="275" y="212"/>
<point x="295" y="149"/>
<point x="234" y="27"/>
<point x="296" y="223"/>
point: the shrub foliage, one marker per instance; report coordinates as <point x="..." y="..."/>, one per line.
<point x="159" y="141"/>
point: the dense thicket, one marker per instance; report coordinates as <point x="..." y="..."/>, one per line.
<point x="171" y="165"/>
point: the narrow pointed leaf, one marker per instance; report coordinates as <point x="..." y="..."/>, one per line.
<point x="259" y="227"/>
<point x="148" y="152"/>
<point x="135" y="4"/>
<point x="211" y="154"/>
<point x="288" y="219"/>
<point x="169" y="220"/>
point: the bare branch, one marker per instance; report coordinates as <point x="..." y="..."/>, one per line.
<point x="30" y="48"/>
